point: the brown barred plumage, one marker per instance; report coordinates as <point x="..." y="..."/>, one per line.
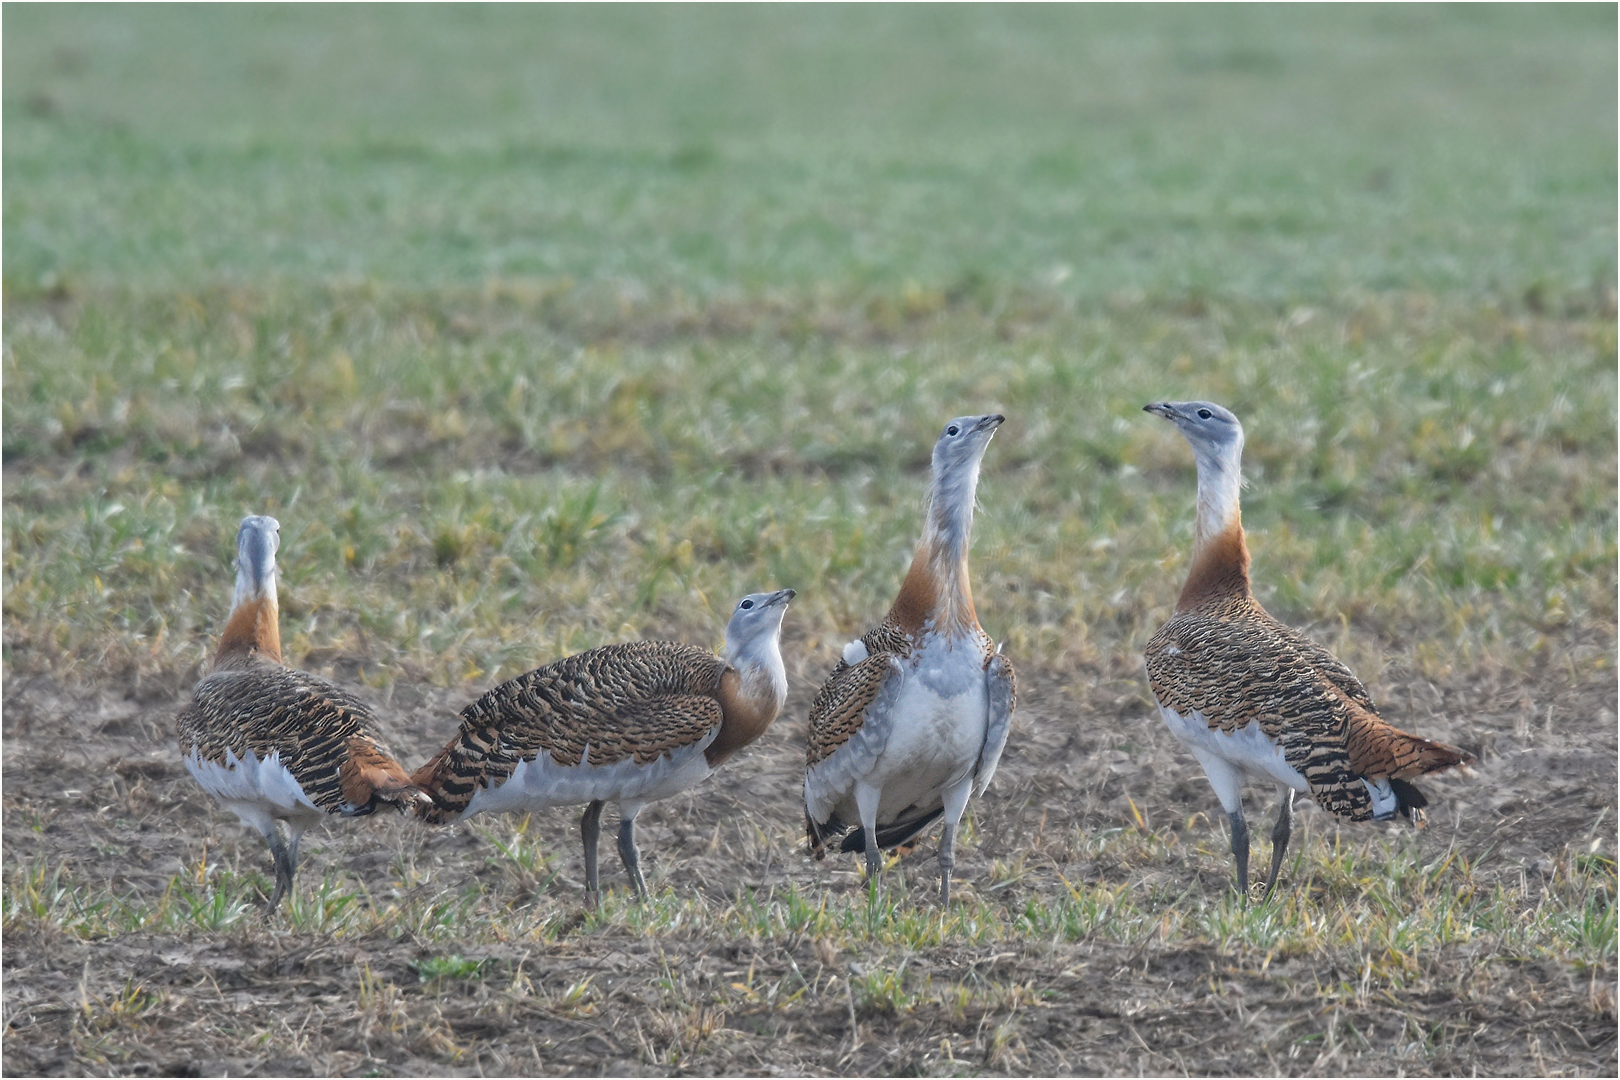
<point x="323" y="736"/>
<point x="627" y="723"/>
<point x="840" y="705"/>
<point x="1240" y="688"/>
<point x="639" y="700"/>
<point x="1233" y="664"/>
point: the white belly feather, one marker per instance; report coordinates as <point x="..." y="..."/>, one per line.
<point x="258" y="792"/>
<point x="541" y="782"/>
<point x="1226" y="757"/>
<point x="1249" y="749"/>
<point x="937" y="723"/>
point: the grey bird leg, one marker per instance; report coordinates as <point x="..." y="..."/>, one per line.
<point x="590" y="827"/>
<point x="632" y="858"/>
<point x="1279" y="838"/>
<point x="874" y="858"/>
<point x="947" y="860"/>
<point x="286" y="865"/>
<point x="295" y="833"/>
<point x="866" y="802"/>
<point x="1240" y="848"/>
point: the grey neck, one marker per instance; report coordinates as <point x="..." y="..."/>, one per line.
<point x="1220" y="485"/>
<point x="949" y="521"/>
<point x="255" y="568"/>
<point x="758" y="660"/>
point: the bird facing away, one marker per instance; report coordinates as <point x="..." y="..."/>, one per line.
<point x="1248" y="695"/>
<point x="626" y="723"/>
<point x="918" y="709"/>
<point x="274" y="744"/>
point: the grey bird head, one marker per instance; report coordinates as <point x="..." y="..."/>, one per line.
<point x="257" y="539"/>
<point x="1215" y="434"/>
<point x="961" y="445"/>
<point x="757" y="620"/>
<point x="957" y="456"/>
<point x="753" y="642"/>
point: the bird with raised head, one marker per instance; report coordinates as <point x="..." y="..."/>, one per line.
<point x="916" y="713"/>
<point x="274" y="744"/>
<point x="1252" y="697"/>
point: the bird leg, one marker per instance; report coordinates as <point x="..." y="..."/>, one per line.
<point x="866" y="802"/>
<point x="1279" y="838"/>
<point x="874" y="857"/>
<point x="286" y="865"/>
<point x="631" y="857"/>
<point x="956" y="799"/>
<point x="1240" y="849"/>
<point x="590" y="827"/>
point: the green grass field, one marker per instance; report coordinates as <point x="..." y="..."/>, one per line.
<point x="539" y="328"/>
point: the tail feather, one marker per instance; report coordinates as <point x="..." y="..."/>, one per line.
<point x="445" y="790"/>
<point x="1378" y="750"/>
<point x="369" y="775"/>
<point x="1381" y="752"/>
<point x="430" y="775"/>
<point x="817" y="835"/>
<point x="893" y="835"/>
<point x="1409" y="801"/>
<point x="424" y="776"/>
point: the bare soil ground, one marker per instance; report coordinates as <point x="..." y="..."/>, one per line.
<point x="92" y="782"/>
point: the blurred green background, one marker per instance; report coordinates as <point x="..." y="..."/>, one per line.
<point x="541" y="326"/>
<point x="1272" y="152"/>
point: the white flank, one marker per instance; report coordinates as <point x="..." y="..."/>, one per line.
<point x="258" y="792"/>
<point x="1248" y="749"/>
<point x="855" y="652"/>
<point x="541" y="782"/>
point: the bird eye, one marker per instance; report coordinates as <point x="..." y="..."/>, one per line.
<point x="1204" y="414"/>
<point x="952" y="430"/>
<point x="745" y="605"/>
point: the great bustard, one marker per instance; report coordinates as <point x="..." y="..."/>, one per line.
<point x="918" y="709"/>
<point x="274" y="744"/>
<point x="1248" y="695"/>
<point x="625" y="723"/>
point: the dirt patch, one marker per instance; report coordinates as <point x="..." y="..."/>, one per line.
<point x="93" y="783"/>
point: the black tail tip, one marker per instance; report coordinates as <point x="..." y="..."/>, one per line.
<point x="1409" y="801"/>
<point x="814" y="836"/>
<point x="894" y="835"/>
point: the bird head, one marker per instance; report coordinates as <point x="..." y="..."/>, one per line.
<point x="1214" y="433"/>
<point x="957" y="456"/>
<point x="257" y="539"/>
<point x="756" y="620"/>
<point x="961" y="445"/>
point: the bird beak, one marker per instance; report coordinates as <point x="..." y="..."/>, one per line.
<point x="990" y="423"/>
<point x="781" y="596"/>
<point x="1161" y="408"/>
